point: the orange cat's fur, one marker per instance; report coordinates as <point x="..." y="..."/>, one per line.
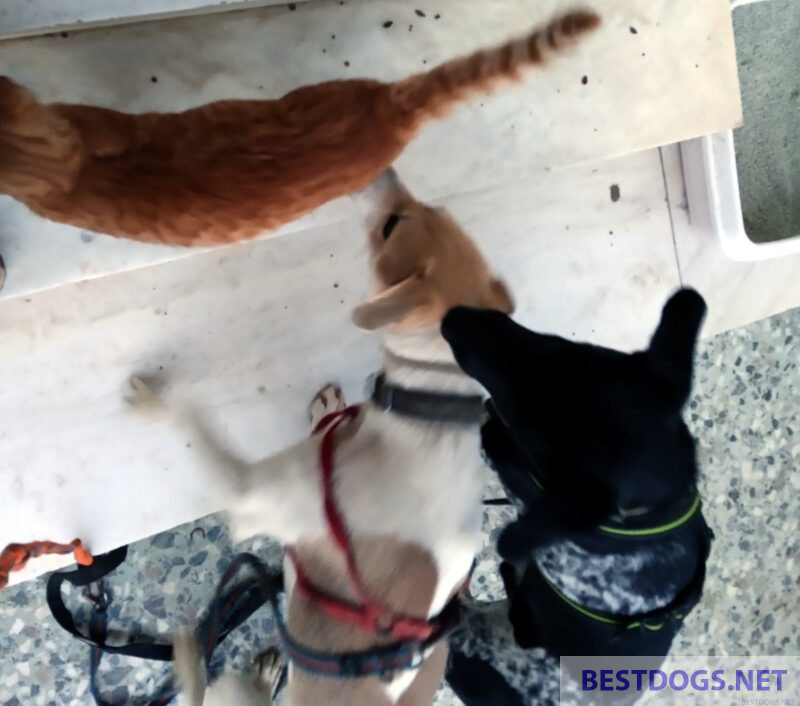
<point x="227" y="171"/>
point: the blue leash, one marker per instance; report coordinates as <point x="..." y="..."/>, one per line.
<point x="229" y="609"/>
<point x="232" y="605"/>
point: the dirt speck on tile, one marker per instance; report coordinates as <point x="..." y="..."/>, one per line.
<point x="615" y="192"/>
<point x="387" y="24"/>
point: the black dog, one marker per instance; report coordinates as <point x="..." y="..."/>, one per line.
<point x="608" y="553"/>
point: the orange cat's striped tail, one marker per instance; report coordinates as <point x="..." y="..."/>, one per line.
<point x="433" y="93"/>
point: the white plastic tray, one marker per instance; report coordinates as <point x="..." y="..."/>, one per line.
<point x="712" y="190"/>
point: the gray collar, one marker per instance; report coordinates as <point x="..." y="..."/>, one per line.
<point x="428" y="406"/>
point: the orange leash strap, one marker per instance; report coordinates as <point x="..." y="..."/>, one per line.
<point x="15" y="556"/>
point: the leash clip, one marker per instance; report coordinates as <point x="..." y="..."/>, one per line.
<point x="417" y="656"/>
<point x="98" y="594"/>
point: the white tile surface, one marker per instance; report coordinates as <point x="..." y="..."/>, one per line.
<point x="252" y="331"/>
<point x="40" y="254"/>
<point x="736" y="292"/>
<point x="630" y="101"/>
<point x="580" y="265"/>
<point x="20" y="18"/>
<point x="30" y="17"/>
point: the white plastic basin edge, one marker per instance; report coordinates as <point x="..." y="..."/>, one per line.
<point x="712" y="192"/>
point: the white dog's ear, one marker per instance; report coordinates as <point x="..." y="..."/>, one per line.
<point x="410" y="296"/>
<point x="498" y="297"/>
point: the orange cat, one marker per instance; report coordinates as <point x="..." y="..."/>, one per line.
<point x="230" y="170"/>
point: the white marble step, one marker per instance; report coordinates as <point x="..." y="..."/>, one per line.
<point x="640" y="91"/>
<point x="22" y="18"/>
<point x="251" y="332"/>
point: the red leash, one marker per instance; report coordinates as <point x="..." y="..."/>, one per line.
<point x="15" y="556"/>
<point x="369" y="615"/>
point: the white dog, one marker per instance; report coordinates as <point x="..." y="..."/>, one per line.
<point x="407" y="468"/>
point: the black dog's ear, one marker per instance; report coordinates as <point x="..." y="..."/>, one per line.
<point x="671" y="352"/>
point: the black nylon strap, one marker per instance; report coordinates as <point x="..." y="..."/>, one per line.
<point x="501" y="502"/>
<point x="428" y="406"/>
<point x="250" y="597"/>
<point x="232" y="605"/>
<point x="83" y="576"/>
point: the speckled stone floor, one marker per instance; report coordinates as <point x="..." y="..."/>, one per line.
<point x="745" y="411"/>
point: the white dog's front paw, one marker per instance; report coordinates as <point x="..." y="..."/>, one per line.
<point x="329" y="399"/>
<point x="142" y="396"/>
<point x="269" y="667"/>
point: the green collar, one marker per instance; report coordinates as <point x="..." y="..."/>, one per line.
<point x="653" y="522"/>
<point x="668" y="520"/>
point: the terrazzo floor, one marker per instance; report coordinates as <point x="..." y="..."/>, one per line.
<point x="745" y="412"/>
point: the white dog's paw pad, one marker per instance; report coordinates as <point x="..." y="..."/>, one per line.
<point x="141" y="395"/>
<point x="328" y="399"/>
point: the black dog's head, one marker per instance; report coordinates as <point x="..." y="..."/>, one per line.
<point x="600" y="429"/>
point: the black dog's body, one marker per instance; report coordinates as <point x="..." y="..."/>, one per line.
<point x="623" y="578"/>
<point x="608" y="553"/>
